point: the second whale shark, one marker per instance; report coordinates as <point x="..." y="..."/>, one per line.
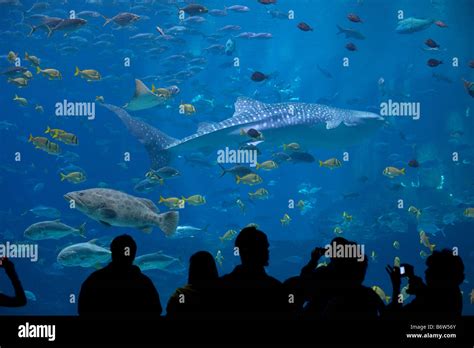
<point x="311" y="125"/>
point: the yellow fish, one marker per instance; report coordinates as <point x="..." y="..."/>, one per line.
<point x="240" y="204"/>
<point x="19" y="82"/>
<point x="161" y="92"/>
<point x="285" y="221"/>
<point x="338" y="230"/>
<point x="423" y="254"/>
<point x="301" y="204"/>
<point x="330" y="163"/>
<point x="172" y="202"/>
<point x="261" y="193"/>
<point x="39" y="108"/>
<point x="396" y="244"/>
<point x="32" y="59"/>
<point x="415" y="211"/>
<point x="12" y="56"/>
<point x="229" y="235"/>
<point x="346" y="216"/>
<point x="373" y="256"/>
<point x="267" y="165"/>
<point x="67" y="138"/>
<point x="99" y="99"/>
<point x="378" y="290"/>
<point x="426" y="241"/>
<point x="44" y="144"/>
<point x="20" y="100"/>
<point x="219" y="258"/>
<point x="89" y="74"/>
<point x="291" y="146"/>
<point x="53" y="131"/>
<point x="393" y="172"/>
<point x="396" y="262"/>
<point x="249" y="179"/>
<point x="74" y="177"/>
<point x="188" y="109"/>
<point x="50" y="73"/>
<point x="27" y="74"/>
<point x="195" y="200"/>
<point x="469" y="212"/>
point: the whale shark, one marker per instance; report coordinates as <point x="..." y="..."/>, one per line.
<point x="412" y="25"/>
<point x="311" y="125"/>
<point x="143" y="98"/>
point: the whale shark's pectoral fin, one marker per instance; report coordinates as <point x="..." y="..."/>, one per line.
<point x="333" y="123"/>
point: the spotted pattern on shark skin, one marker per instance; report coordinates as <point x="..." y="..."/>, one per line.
<point x="249" y="113"/>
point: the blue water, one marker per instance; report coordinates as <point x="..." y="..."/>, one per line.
<point x="290" y="58"/>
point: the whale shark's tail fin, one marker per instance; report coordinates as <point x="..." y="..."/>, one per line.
<point x="155" y="141"/>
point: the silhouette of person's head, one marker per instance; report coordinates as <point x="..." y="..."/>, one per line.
<point x="444" y="270"/>
<point x="253" y="247"/>
<point x="123" y="250"/>
<point x="202" y="268"/>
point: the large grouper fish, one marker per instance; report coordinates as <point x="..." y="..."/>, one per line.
<point x="115" y="208"/>
<point x="311" y="125"/>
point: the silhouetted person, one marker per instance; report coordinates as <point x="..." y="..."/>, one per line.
<point x="120" y="288"/>
<point x="335" y="291"/>
<point x="248" y="292"/>
<point x="440" y="297"/>
<point x="197" y="298"/>
<point x="20" y="298"/>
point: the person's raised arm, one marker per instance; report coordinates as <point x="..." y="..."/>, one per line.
<point x="19" y="299"/>
<point x="316" y="254"/>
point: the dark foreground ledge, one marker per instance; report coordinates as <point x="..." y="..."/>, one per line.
<point x="164" y="332"/>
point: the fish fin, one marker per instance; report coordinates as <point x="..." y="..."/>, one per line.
<point x="77" y="71"/>
<point x="168" y="222"/>
<point x="50" y="32"/>
<point x="387" y="298"/>
<point x="105" y="223"/>
<point x="153" y="88"/>
<point x="93" y="241"/>
<point x="38" y="69"/>
<point x="107" y="213"/>
<point x="341" y="30"/>
<point x="432" y="247"/>
<point x="155" y="141"/>
<point x="161" y="199"/>
<point x="150" y="204"/>
<point x="320" y="163"/>
<point x="33" y="29"/>
<point x="223" y="170"/>
<point x="141" y="89"/>
<point x="403" y="171"/>
<point x="48" y="130"/>
<point x="147" y="230"/>
<point x="30" y="139"/>
<point x="237" y="179"/>
<point x="244" y="105"/>
<point x="82" y="230"/>
<point x="331" y="124"/>
<point x="63" y="176"/>
<point x="107" y="20"/>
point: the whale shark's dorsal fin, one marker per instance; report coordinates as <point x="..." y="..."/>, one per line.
<point x="141" y="89"/>
<point x="244" y="105"/>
